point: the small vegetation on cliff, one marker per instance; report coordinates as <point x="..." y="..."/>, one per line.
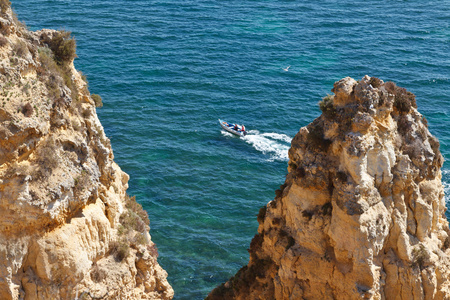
<point x="153" y="250"/>
<point x="20" y="48"/>
<point x="82" y="181"/>
<point x="131" y="221"/>
<point x="4" y="4"/>
<point x="420" y="256"/>
<point x="119" y="249"/>
<point x="97" y="100"/>
<point x="134" y="206"/>
<point x="48" y="64"/>
<point x="27" y="110"/>
<point x="403" y="100"/>
<point x="256" y="245"/>
<point x="57" y="74"/>
<point x="262" y="214"/>
<point x="326" y="106"/>
<point x="134" y="223"/>
<point x="63" y="46"/>
<point x="375" y="82"/>
<point x="279" y="192"/>
<point x="48" y="157"/>
<point x="50" y="69"/>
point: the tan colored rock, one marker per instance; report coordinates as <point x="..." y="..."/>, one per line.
<point x="67" y="228"/>
<point x="343" y="91"/>
<point x="361" y="214"/>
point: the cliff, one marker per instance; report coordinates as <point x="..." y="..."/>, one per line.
<point x="361" y="214"/>
<point x="67" y="228"/>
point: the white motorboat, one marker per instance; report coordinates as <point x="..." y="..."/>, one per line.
<point x="235" y="129"/>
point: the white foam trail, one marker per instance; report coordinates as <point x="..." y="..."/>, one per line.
<point x="278" y="136"/>
<point x="276" y="145"/>
<point x="269" y="143"/>
<point x="226" y="133"/>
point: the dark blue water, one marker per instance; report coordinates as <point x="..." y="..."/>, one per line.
<point x="167" y="70"/>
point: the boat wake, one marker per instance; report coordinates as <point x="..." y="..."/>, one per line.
<point x="275" y="145"/>
<point x="446" y="185"/>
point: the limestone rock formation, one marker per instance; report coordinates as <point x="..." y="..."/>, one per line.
<point x="67" y="228"/>
<point x="361" y="214"/>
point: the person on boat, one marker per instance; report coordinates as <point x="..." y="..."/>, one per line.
<point x="235" y="127"/>
<point x="243" y="128"/>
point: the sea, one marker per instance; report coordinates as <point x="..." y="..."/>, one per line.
<point x="168" y="70"/>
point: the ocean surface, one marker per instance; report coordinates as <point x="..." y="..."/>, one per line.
<point x="167" y="70"/>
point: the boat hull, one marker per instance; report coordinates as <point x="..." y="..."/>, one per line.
<point x="229" y="128"/>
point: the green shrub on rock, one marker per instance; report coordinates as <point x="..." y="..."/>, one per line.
<point x="63" y="46"/>
<point x="97" y="100"/>
<point x="4" y="4"/>
<point x="20" y="48"/>
<point x="119" y="249"/>
<point x="403" y="100"/>
<point x="135" y="207"/>
<point x="326" y="106"/>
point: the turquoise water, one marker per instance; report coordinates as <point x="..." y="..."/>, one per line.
<point x="167" y="70"/>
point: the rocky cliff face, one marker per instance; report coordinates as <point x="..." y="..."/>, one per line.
<point x="361" y="214"/>
<point x="67" y="228"/>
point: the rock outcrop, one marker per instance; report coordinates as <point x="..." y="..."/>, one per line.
<point x="361" y="214"/>
<point x="67" y="228"/>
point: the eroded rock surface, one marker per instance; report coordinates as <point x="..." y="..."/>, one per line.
<point x="67" y="228"/>
<point x="361" y="214"/>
